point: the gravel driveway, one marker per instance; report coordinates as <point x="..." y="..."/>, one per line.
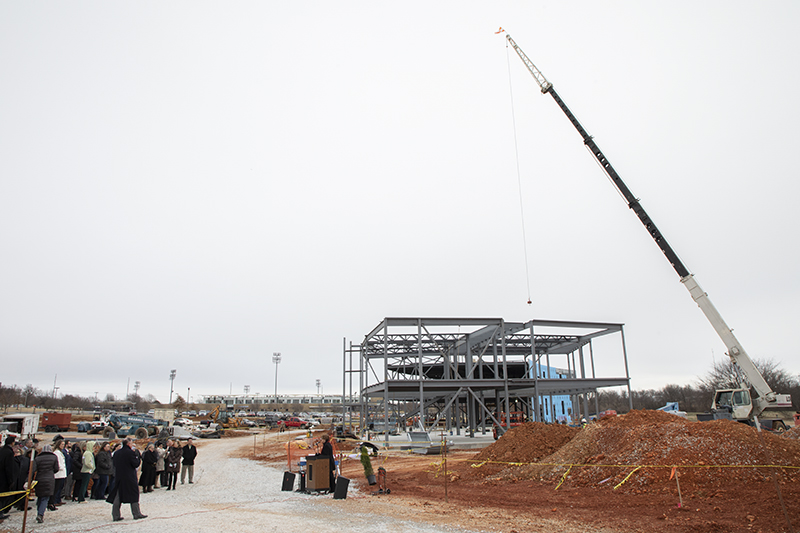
<point x="228" y="494"/>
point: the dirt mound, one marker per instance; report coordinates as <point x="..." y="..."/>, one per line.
<point x="528" y="443"/>
<point x="656" y="440"/>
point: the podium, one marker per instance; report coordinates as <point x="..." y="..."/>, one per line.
<point x="318" y="469"/>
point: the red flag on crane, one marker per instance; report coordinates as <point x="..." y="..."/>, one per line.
<point x="501" y="30"/>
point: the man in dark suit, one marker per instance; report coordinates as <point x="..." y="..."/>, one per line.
<point x="126" y="487"/>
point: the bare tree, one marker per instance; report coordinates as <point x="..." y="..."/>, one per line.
<point x="179" y="404"/>
<point x="725" y="375"/>
<point x="29" y="394"/>
<point x="9" y="396"/>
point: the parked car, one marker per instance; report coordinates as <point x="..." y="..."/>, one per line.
<point x="297" y="422"/>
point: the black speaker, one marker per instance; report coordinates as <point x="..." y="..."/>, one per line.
<point x="340" y="493"/>
<point x="288" y="481"/>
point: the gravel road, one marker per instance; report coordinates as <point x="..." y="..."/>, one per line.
<point x="228" y="494"/>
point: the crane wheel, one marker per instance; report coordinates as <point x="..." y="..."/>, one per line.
<point x="141" y="433"/>
<point x="109" y="433"/>
<point x="779" y="427"/>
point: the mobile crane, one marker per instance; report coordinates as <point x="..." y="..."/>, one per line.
<point x="737" y="404"/>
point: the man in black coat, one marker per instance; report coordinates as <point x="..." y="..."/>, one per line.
<point x="126" y="487"/>
<point x="8" y="476"/>
<point x="189" y="454"/>
<point x="327" y="451"/>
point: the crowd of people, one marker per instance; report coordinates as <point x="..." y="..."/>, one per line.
<point x="75" y="472"/>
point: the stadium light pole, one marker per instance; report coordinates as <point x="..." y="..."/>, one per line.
<point x="276" y="358"/>
<point x="171" y="383"/>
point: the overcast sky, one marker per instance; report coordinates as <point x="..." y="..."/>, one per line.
<point x="196" y="185"/>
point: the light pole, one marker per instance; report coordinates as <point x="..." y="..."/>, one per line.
<point x="319" y="382"/>
<point x="276" y="358"/>
<point x="171" y="383"/>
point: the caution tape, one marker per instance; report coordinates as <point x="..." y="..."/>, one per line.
<point x="563" y="478"/>
<point x="24" y="493"/>
<point x="437" y="467"/>
<point x="618" y="485"/>
<point x="508" y="463"/>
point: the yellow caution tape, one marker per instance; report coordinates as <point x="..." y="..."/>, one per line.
<point x="618" y="485"/>
<point x="564" y="477"/>
<point x="625" y="466"/>
<point x="24" y="493"/>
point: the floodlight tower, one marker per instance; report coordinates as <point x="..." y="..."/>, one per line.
<point x="276" y="358"/>
<point x="171" y="383"/>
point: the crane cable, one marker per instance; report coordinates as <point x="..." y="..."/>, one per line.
<point x="519" y="176"/>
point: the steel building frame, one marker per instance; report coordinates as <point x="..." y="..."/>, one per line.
<point x="471" y="370"/>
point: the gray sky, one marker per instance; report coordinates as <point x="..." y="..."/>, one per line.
<point x="196" y="185"/>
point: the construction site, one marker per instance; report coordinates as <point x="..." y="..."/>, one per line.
<point x="472" y="423"/>
<point x="467" y="374"/>
<point x="645" y="471"/>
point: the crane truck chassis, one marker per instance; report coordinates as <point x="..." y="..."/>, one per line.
<point x="737" y="404"/>
<point x="140" y="427"/>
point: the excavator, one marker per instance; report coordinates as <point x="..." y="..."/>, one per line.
<point x="737" y="404"/>
<point x="224" y="419"/>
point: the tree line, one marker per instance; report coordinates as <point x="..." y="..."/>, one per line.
<point x="697" y="397"/>
<point x="30" y="396"/>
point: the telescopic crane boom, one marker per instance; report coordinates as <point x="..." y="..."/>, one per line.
<point x="767" y="399"/>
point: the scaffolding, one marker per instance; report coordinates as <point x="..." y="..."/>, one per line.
<point x="467" y="373"/>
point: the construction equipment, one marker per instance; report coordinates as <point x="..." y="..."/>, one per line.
<point x="673" y="409"/>
<point x="224" y="419"/>
<point x="738" y="403"/>
<point x="516" y="418"/>
<point x="53" y="422"/>
<point x="139" y="426"/>
<point x="22" y="426"/>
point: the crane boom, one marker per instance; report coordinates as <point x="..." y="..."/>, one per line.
<point x="766" y="397"/>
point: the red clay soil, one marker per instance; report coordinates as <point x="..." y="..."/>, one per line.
<point x="484" y="492"/>
<point x="528" y="443"/>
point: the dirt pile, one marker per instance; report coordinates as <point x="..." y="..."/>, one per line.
<point x="528" y="443"/>
<point x="656" y="440"/>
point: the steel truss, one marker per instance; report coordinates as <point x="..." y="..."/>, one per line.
<point x="472" y="372"/>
